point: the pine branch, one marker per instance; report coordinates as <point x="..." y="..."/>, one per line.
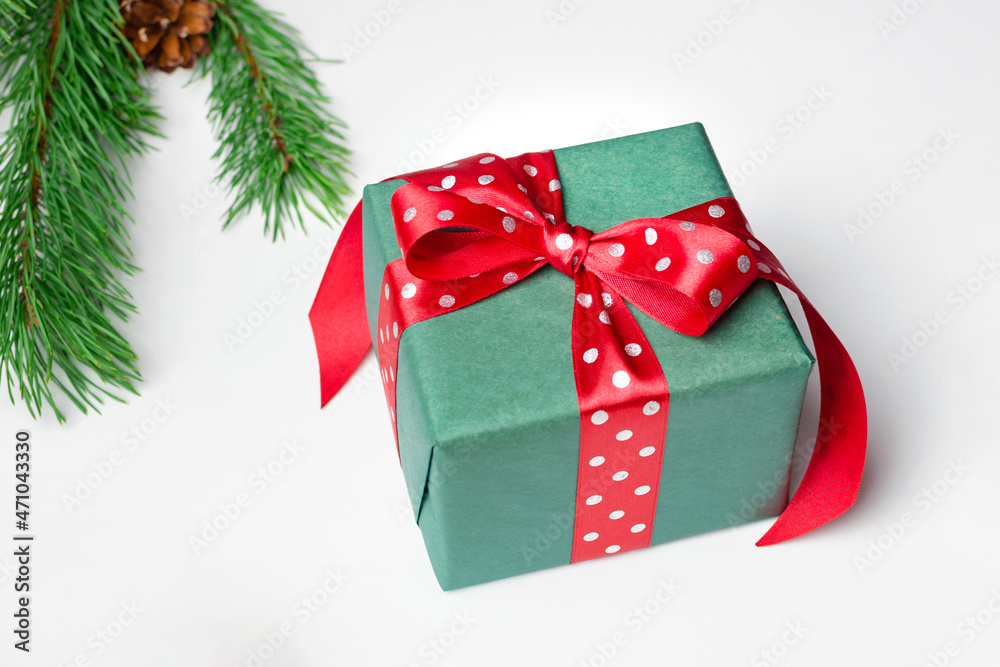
<point x="280" y="148"/>
<point x="77" y="112"/>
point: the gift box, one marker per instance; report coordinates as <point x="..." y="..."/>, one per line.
<point x="487" y="400"/>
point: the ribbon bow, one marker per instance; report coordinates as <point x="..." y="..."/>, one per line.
<point x="472" y="228"/>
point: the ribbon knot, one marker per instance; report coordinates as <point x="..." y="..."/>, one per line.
<point x="566" y="246"/>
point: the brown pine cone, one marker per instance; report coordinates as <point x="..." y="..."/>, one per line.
<point x="168" y="34"/>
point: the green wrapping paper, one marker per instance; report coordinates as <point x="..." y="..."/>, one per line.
<point x="487" y="412"/>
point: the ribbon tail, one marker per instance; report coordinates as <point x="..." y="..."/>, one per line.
<point x="830" y="485"/>
<point x="338" y="316"/>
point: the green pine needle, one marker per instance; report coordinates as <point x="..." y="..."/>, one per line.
<point x="70" y="82"/>
<point x="12" y="12"/>
<point x="280" y="148"/>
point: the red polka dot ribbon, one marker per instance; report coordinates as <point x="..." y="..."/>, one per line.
<point x="474" y="227"/>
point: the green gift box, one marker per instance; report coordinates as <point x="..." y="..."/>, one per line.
<point x="487" y="412"/>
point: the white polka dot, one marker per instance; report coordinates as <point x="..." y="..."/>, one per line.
<point x="596" y="461"/>
<point x="606" y="298"/>
<point x="590" y="537"/>
<point x="763" y="268"/>
<point x="599" y="417"/>
<point x="651" y="408"/>
<point x="686" y="226"/>
<point x="509" y="224"/>
<point x="604" y="317"/>
<point x="445" y="215"/>
<point x="564" y="241"/>
<point x="633" y="349"/>
<point x="435" y="188"/>
<point x="647" y="451"/>
<point x="474" y="201"/>
<point x="715" y="298"/>
<point x="620" y="379"/>
<point x="619" y="476"/>
<point x="638" y="528"/>
<point x="487" y="159"/>
<point x="548" y="216"/>
<point x="743" y="263"/>
<point x="380" y="339"/>
<point x="590" y="356"/>
<point x="409" y="289"/>
<point x="716" y="211"/>
<point x="613" y="549"/>
<point x="622" y="436"/>
<point x="554" y="185"/>
<point x="594" y="499"/>
<point x="617" y="514"/>
<point x="485" y="179"/>
<point x="529" y="170"/>
<point x="650" y="236"/>
<point x="752" y="244"/>
<point x="529" y="215"/>
<point x="642" y="490"/>
<point x="616" y="250"/>
<point x="474" y="275"/>
<point x="584" y="300"/>
<point x="706" y="256"/>
<point x="447" y="182"/>
<point x="395" y="329"/>
<point x="409" y="214"/>
<point x="509" y="278"/>
<point x="662" y="263"/>
<point x="447" y="301"/>
<point x="522" y="188"/>
<point x="387" y="292"/>
<point x="392" y="375"/>
<point x="501" y="209"/>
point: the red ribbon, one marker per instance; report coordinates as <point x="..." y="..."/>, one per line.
<point x="682" y="270"/>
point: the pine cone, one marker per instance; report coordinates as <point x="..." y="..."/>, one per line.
<point x="168" y="34"/>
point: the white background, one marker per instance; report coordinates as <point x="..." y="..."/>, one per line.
<point x="562" y="77"/>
